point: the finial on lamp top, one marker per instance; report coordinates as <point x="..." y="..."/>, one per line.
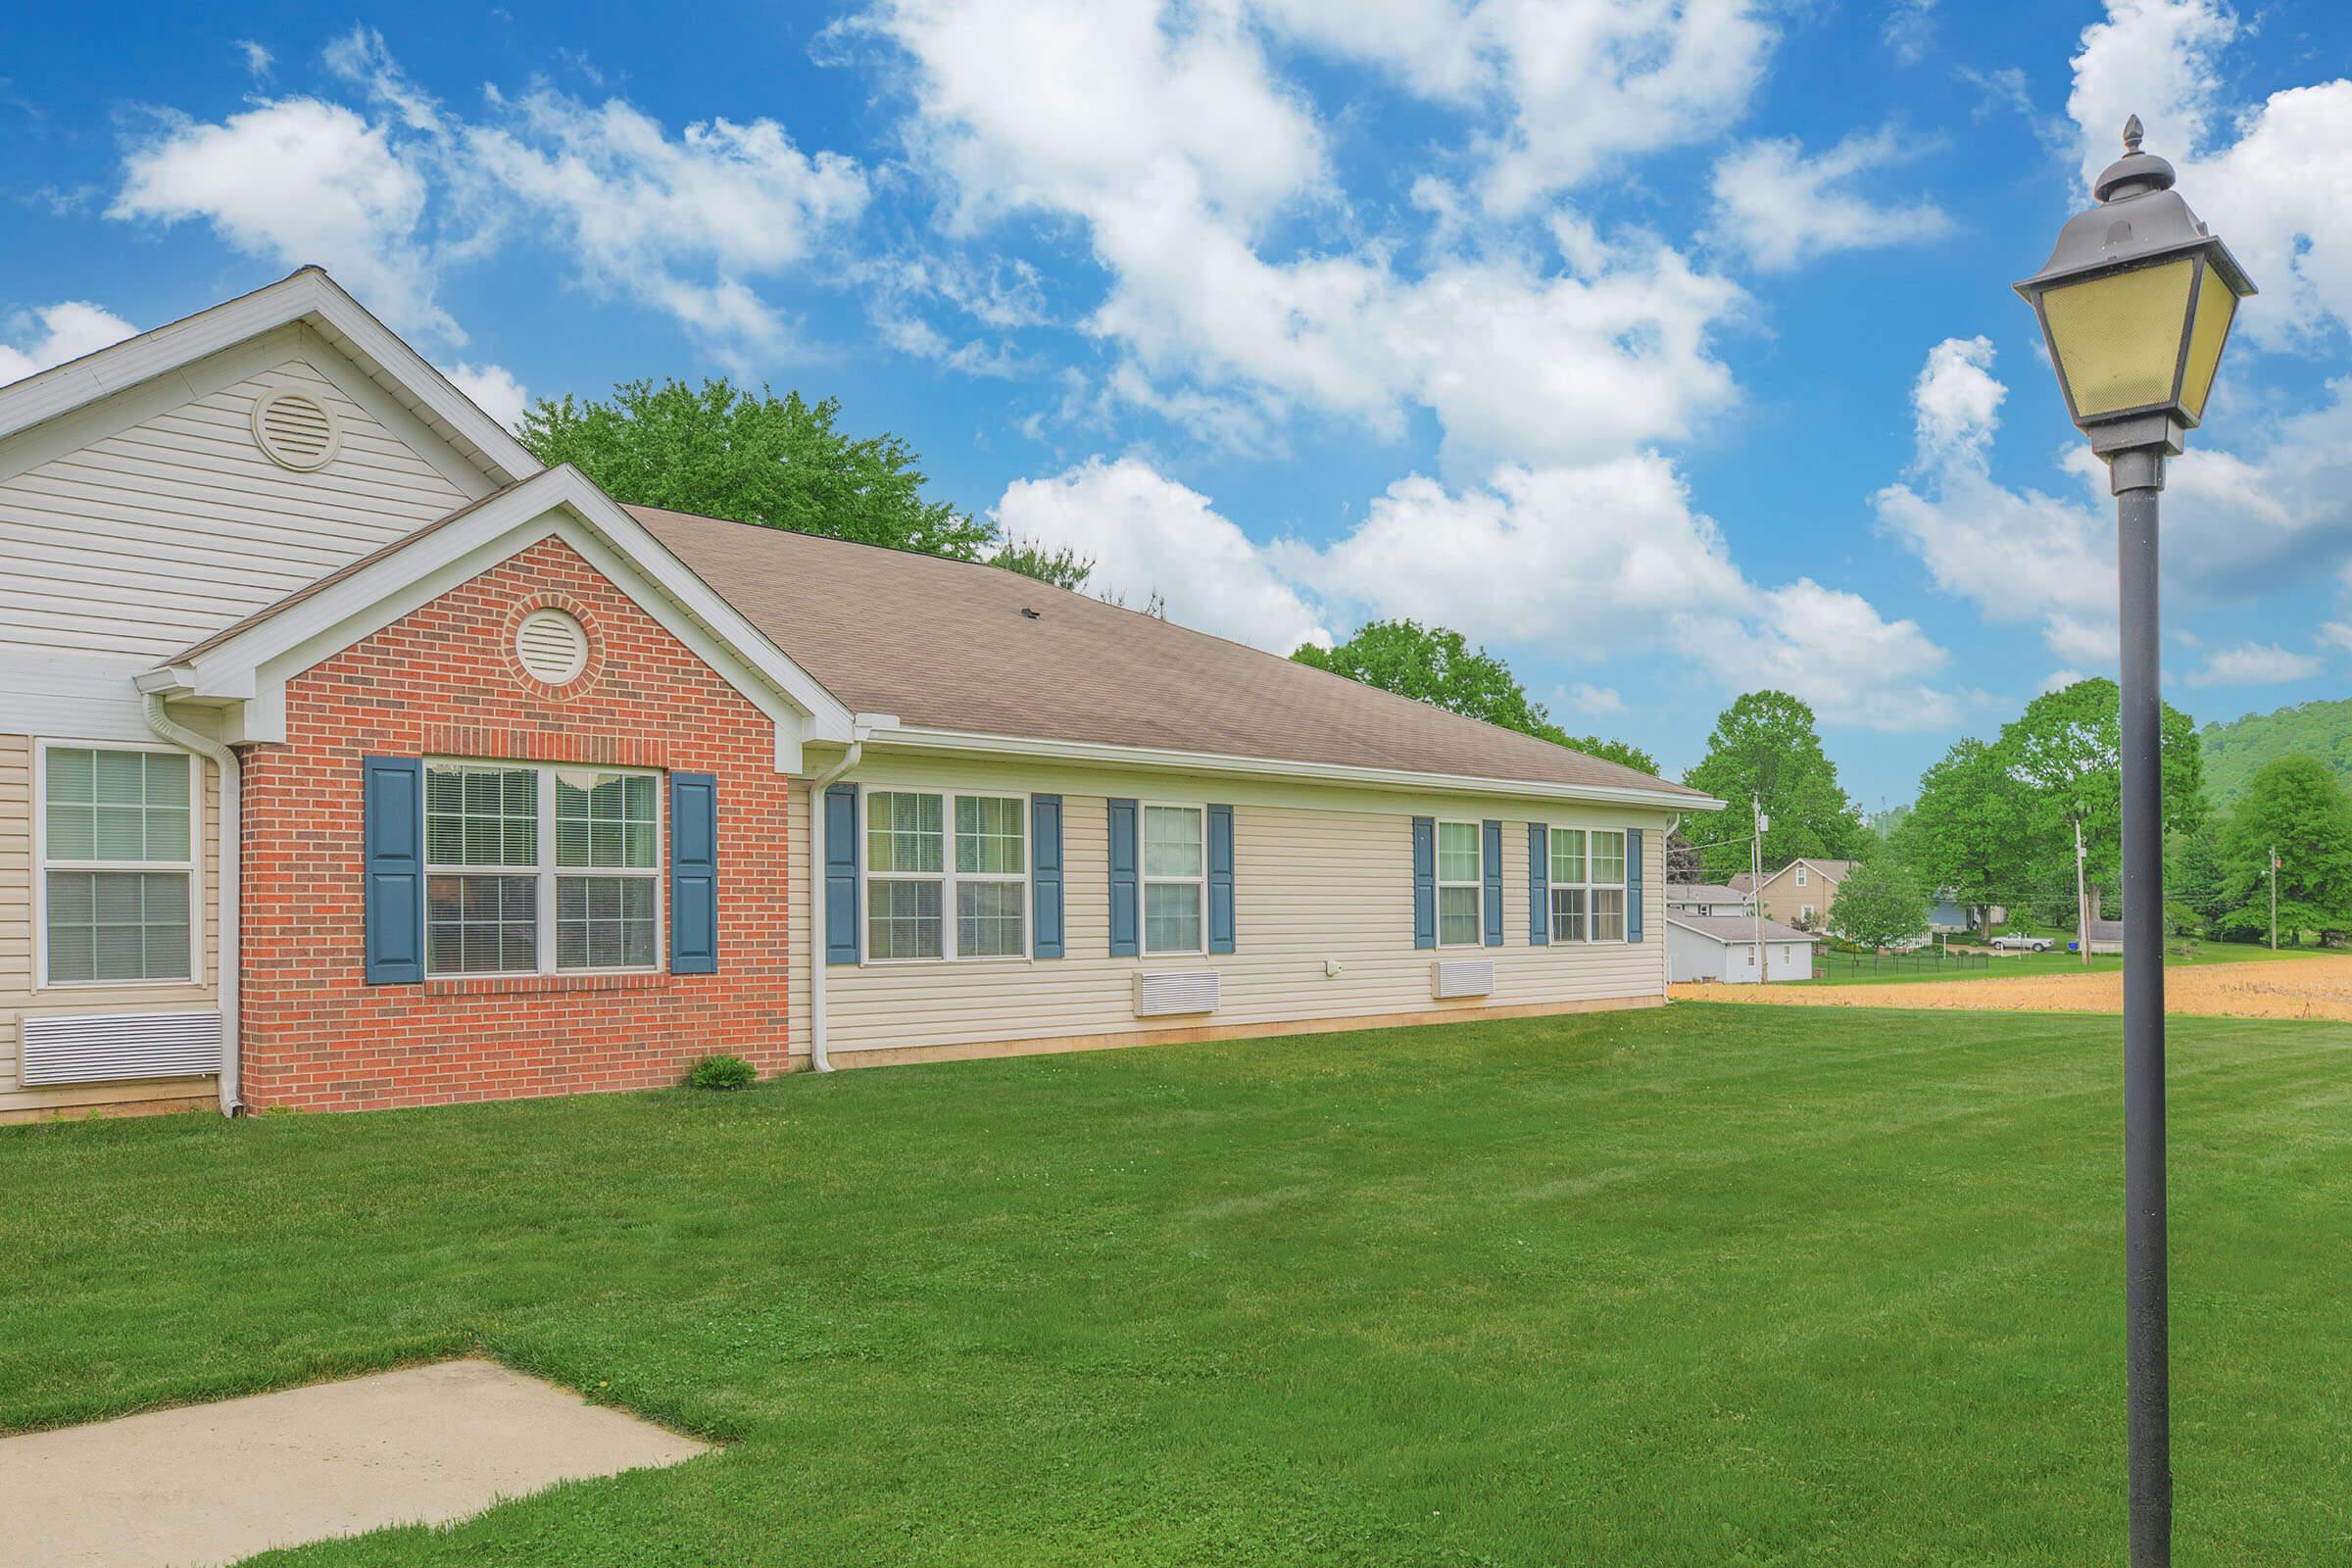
<point x="2135" y="174"/>
<point x="2133" y="134"/>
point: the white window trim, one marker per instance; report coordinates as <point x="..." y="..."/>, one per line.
<point x="946" y="876"/>
<point x="546" y="872"/>
<point x="1478" y="836"/>
<point x="1143" y="881"/>
<point x="198" y="828"/>
<point x="1800" y="876"/>
<point x="1623" y="886"/>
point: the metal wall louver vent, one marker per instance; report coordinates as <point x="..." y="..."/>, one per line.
<point x="1175" y="991"/>
<point x="551" y="646"/>
<point x="66" y="1047"/>
<point x="296" y="430"/>
<point x="1463" y="977"/>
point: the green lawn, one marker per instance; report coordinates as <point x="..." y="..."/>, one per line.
<point x="1707" y="1285"/>
<point x="1847" y="970"/>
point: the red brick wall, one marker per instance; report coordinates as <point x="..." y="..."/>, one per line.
<point x="444" y="681"/>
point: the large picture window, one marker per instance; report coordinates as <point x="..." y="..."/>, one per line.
<point x="119" y="848"/>
<point x="1588" y="885"/>
<point x="1175" y="878"/>
<point x="926" y="898"/>
<point x="1461" y="885"/>
<point x="533" y="869"/>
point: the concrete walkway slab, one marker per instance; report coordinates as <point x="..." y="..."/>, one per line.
<point x="213" y="1482"/>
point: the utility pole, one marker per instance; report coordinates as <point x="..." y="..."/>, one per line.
<point x="2273" y="898"/>
<point x="2082" y="920"/>
<point x="1755" y="879"/>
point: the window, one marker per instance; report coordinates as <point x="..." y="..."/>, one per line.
<point x="1462" y="890"/>
<point x="118" y="865"/>
<point x="1800" y="876"/>
<point x="1588" y="885"/>
<point x="532" y="870"/>
<point x="912" y="881"/>
<point x="1175" y="878"/>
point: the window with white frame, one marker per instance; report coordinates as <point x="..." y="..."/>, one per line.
<point x="1462" y="886"/>
<point x="533" y="869"/>
<point x="1588" y="885"/>
<point x="118" y="865"/>
<point x="1800" y="876"/>
<point x="912" y="881"/>
<point x="1175" y="878"/>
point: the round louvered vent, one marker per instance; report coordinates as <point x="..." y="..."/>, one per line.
<point x="551" y="646"/>
<point x="296" y="429"/>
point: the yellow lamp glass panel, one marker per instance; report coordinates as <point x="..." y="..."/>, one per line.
<point x="2117" y="337"/>
<point x="2216" y="305"/>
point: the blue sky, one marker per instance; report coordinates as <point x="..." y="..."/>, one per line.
<point x="1665" y="348"/>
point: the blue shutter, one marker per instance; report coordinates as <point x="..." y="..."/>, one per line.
<point x="1539" y="885"/>
<point x="1220" y="879"/>
<point x="1425" y="882"/>
<point x="841" y="874"/>
<point x="1491" y="860"/>
<point x="1633" y="884"/>
<point x="1045" y="875"/>
<point x="1124" y="896"/>
<point x="392" y="871"/>
<point x="693" y="873"/>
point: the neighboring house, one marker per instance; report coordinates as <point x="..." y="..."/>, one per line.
<point x="1720" y="947"/>
<point x="350" y="757"/>
<point x="1801" y="892"/>
<point x="1705" y="898"/>
<point x="1945" y="915"/>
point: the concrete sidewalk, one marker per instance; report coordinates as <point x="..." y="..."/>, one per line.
<point x="213" y="1482"/>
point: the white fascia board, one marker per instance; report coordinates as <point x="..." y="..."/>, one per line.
<point x="921" y="738"/>
<point x="253" y="665"/>
<point x="308" y="295"/>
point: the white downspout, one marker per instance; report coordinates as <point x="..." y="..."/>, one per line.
<point x="817" y="1057"/>
<point x="232" y="855"/>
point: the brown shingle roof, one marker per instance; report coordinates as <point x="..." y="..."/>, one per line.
<point x="946" y="645"/>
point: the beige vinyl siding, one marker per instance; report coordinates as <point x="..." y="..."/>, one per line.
<point x="17" y="993"/>
<point x="144" y="540"/>
<point x="1321" y="875"/>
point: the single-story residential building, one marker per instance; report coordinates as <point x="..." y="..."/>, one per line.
<point x="1705" y="898"/>
<point x="1723" y="946"/>
<point x="350" y="757"/>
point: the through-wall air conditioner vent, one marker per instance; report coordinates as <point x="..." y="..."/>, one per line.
<point x="80" y="1048"/>
<point x="296" y="430"/>
<point x="1462" y="977"/>
<point x="551" y="646"/>
<point x="1175" y="991"/>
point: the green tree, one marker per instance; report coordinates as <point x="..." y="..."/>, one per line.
<point x="1767" y="745"/>
<point x="1967" y="830"/>
<point x="2192" y="874"/>
<point x="2066" y="749"/>
<point x="778" y="462"/>
<point x="2296" y="805"/>
<point x="1878" y="903"/>
<point x="1437" y="665"/>
<point x="1064" y="568"/>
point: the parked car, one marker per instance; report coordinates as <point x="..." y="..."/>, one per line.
<point x="2018" y="942"/>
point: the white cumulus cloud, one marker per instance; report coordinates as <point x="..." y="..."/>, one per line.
<point x="2254" y="664"/>
<point x="1783" y="208"/>
<point x="493" y="389"/>
<point x="55" y="333"/>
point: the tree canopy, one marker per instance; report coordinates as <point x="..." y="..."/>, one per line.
<point x="2233" y="751"/>
<point x="1064" y="568"/>
<point x="2296" y="805"/>
<point x="1437" y="665"/>
<point x="1768" y="745"/>
<point x="1878" y="903"/>
<point x="782" y="462"/>
<point x="1966" y="831"/>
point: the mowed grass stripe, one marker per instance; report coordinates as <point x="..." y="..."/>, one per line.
<point x="1706" y="1285"/>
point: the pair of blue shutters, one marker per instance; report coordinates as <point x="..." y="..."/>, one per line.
<point x="845" y="935"/>
<point x="1126" y="879"/>
<point x="1425" y="881"/>
<point x="392" y="837"/>
<point x="1538" y="883"/>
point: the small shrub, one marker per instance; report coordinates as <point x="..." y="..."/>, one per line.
<point x="721" y="1072"/>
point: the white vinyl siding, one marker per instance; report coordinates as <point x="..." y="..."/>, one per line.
<point x="145" y="540"/>
<point x="1323" y="879"/>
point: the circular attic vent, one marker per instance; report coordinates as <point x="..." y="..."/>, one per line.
<point x="551" y="646"/>
<point x="297" y="431"/>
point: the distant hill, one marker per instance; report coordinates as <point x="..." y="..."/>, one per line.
<point x="2234" y="750"/>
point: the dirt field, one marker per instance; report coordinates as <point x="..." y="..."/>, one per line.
<point x="2311" y="987"/>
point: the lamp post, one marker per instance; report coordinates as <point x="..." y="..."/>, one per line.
<point x="2135" y="302"/>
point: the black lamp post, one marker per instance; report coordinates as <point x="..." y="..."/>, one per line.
<point x="2136" y="303"/>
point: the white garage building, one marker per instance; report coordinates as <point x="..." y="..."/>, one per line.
<point x="1723" y="946"/>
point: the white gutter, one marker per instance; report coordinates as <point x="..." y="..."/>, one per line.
<point x="232" y="854"/>
<point x="863" y="726"/>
